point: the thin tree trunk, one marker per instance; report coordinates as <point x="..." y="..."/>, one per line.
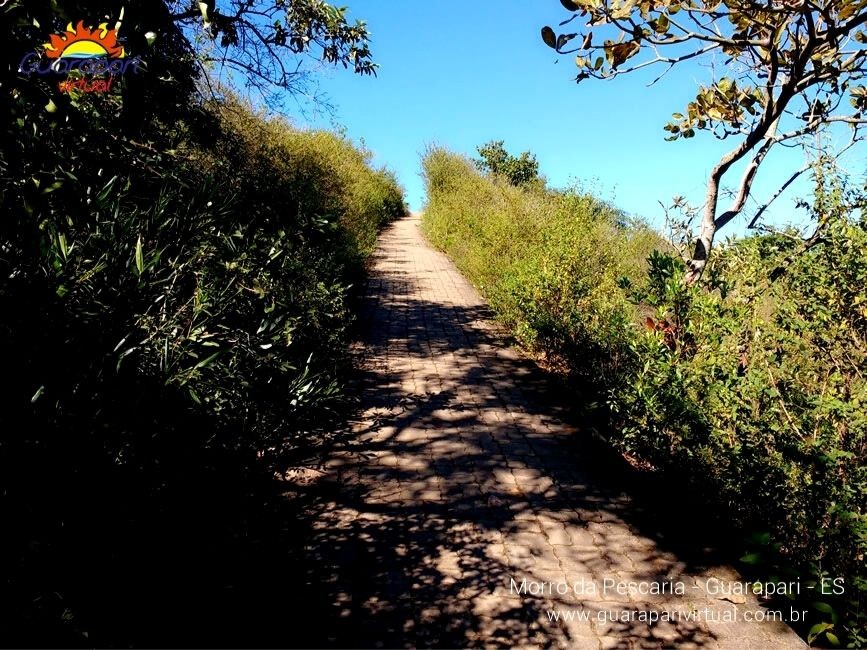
<point x="704" y="241"/>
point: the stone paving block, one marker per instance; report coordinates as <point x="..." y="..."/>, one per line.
<point x="466" y="481"/>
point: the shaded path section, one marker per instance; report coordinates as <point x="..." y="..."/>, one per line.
<point x="465" y="475"/>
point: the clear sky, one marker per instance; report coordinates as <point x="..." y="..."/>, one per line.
<point x="459" y="73"/>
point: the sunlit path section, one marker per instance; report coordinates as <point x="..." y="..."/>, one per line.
<point x="470" y="514"/>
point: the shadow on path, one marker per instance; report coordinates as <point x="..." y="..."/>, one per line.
<point x="466" y="472"/>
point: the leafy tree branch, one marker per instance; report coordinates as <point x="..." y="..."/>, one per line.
<point x="262" y="39"/>
<point x="778" y="55"/>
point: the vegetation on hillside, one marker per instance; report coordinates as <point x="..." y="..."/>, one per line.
<point x="792" y="70"/>
<point x="176" y="272"/>
<point x="750" y="384"/>
<point x="175" y="297"/>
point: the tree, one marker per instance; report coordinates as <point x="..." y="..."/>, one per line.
<point x="791" y="64"/>
<point x="262" y="44"/>
<point x="520" y="170"/>
<point x="261" y="39"/>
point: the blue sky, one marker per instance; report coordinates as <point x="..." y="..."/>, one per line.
<point x="459" y="73"/>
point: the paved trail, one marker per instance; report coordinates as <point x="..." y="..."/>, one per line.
<point x="466" y="476"/>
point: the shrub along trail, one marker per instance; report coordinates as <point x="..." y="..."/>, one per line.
<point x="466" y="476"/>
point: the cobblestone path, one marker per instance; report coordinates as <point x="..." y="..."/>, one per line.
<point x="467" y="475"/>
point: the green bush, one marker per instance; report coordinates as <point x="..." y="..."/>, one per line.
<point x="218" y="270"/>
<point x="752" y="386"/>
<point x="175" y="310"/>
<point x="550" y="262"/>
<point x="761" y="393"/>
<point x="517" y="170"/>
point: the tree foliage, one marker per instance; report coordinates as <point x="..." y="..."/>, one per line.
<point x="792" y="67"/>
<point x="753" y="395"/>
<point x="517" y="170"/>
<point x="175" y="278"/>
<point x="262" y="39"/>
<point x="264" y="45"/>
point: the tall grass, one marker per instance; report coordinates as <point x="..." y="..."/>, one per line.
<point x="316" y="172"/>
<point x="175" y="312"/>
<point x="751" y="387"/>
<point x="549" y="262"/>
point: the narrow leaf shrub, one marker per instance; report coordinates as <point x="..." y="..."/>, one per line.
<point x="174" y="316"/>
<point x="751" y="386"/>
